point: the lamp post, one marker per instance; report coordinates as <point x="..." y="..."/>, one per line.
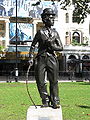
<point x="16" y="67"/>
<point x="89" y="28"/>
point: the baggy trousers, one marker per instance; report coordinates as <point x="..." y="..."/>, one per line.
<point x="47" y="63"/>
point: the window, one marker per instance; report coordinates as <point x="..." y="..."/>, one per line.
<point x="67" y="38"/>
<point x="76" y="37"/>
<point x="67" y="18"/>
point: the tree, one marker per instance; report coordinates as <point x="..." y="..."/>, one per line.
<point x="81" y="8"/>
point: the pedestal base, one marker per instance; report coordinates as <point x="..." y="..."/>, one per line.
<point x="44" y="113"/>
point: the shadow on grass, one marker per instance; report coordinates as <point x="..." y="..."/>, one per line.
<point x="83" y="106"/>
<point x="84" y="83"/>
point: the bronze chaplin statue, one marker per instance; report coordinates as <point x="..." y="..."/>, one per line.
<point x="48" y="42"/>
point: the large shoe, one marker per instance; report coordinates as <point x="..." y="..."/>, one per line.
<point x="45" y="105"/>
<point x="55" y="106"/>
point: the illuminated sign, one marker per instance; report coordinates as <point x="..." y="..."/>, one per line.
<point x="24" y="32"/>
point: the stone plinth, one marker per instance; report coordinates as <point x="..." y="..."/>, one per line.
<point x="44" y="113"/>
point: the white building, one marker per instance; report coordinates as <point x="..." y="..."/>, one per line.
<point x="69" y="29"/>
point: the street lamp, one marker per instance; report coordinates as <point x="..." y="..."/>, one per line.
<point x="89" y="29"/>
<point x="16" y="68"/>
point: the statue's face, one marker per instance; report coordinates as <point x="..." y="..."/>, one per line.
<point x="49" y="20"/>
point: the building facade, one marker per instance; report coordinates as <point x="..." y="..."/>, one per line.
<point x="75" y="37"/>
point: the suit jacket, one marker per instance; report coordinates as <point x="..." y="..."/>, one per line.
<point x="48" y="41"/>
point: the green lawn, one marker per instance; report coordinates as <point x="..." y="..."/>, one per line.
<point x="74" y="97"/>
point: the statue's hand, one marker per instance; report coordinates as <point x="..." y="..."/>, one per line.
<point x="30" y="62"/>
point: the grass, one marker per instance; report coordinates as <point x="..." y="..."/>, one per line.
<point x="75" y="100"/>
<point x="74" y="97"/>
<point x="14" y="100"/>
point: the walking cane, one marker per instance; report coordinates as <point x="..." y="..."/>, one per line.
<point x="27" y="85"/>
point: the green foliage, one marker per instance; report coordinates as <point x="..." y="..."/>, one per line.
<point x="74" y="98"/>
<point x="81" y="9"/>
<point x="1" y="48"/>
<point x="74" y="43"/>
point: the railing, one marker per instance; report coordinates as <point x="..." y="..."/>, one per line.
<point x="63" y="75"/>
<point x="10" y="76"/>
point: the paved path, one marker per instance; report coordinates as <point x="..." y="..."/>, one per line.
<point x="22" y="79"/>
